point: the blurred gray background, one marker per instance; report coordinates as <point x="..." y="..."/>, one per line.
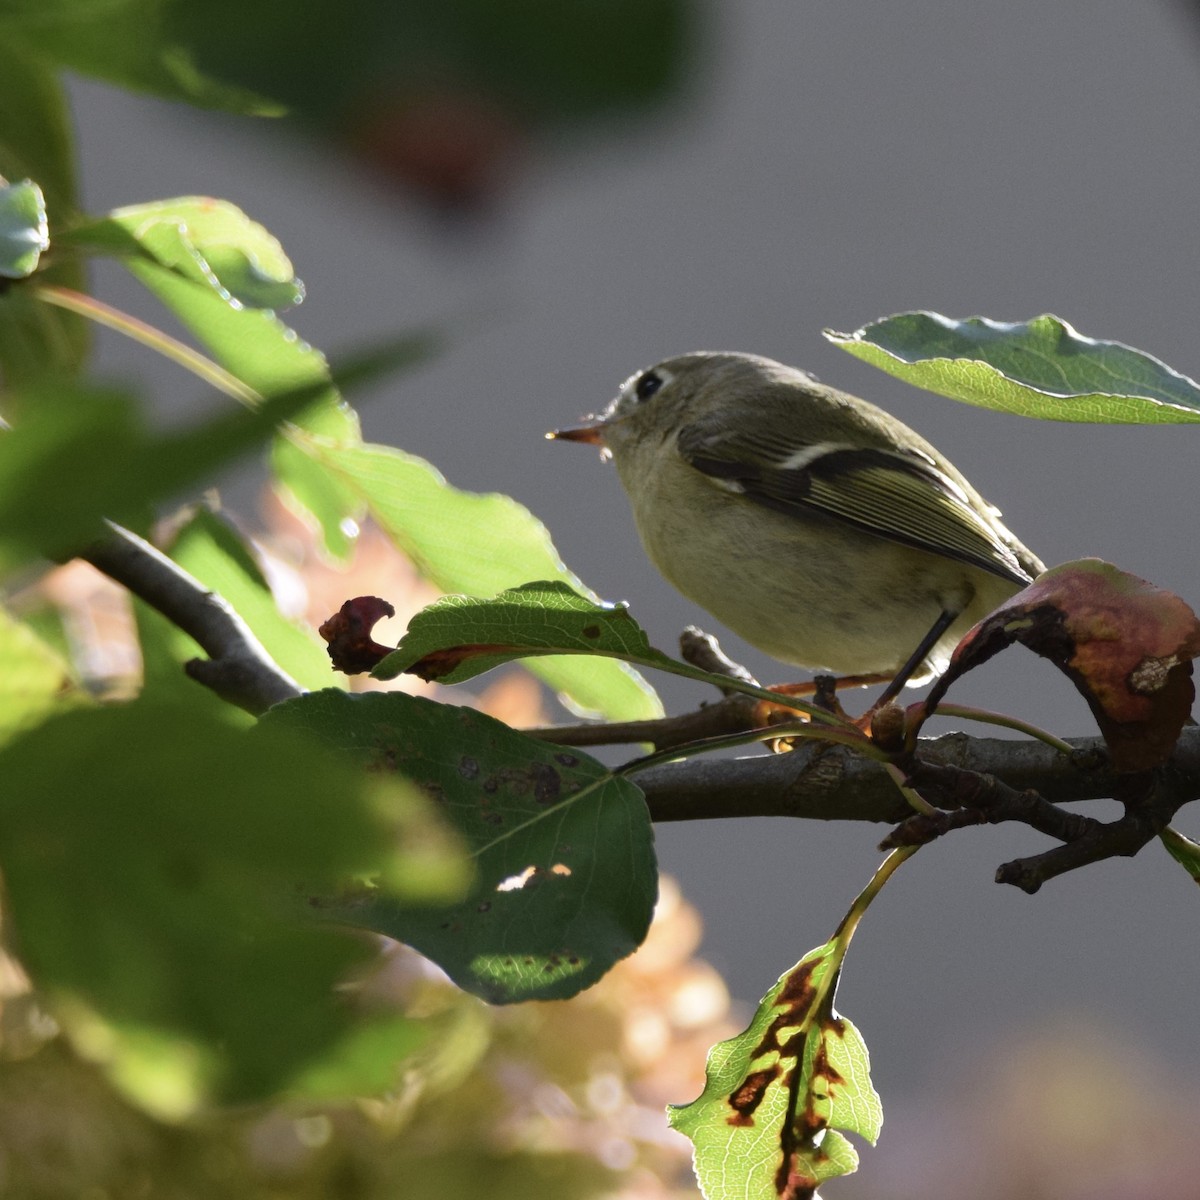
<point x="826" y="164"/>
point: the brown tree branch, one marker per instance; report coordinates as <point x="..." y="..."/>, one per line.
<point x="971" y="781"/>
<point x="238" y="669"/>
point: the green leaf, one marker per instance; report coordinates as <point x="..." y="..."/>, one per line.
<point x="209" y="242"/>
<point x="458" y="637"/>
<point x="35" y="143"/>
<point x="268" y="357"/>
<point x="460" y="540"/>
<point x="151" y="859"/>
<point x="209" y="548"/>
<point x="478" y="545"/>
<point x="566" y="878"/>
<point x="767" y="1122"/>
<point x="57" y="481"/>
<point x="24" y="233"/>
<point x="1040" y="368"/>
<point x="34" y="682"/>
<point x="368" y="1060"/>
<point x="126" y="42"/>
<point x="35" y="129"/>
<point x="252" y="344"/>
<point x="1183" y="850"/>
<point x="304" y="484"/>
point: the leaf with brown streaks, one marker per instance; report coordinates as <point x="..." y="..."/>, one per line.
<point x="766" y="1126"/>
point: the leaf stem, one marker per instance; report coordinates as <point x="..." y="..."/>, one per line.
<point x="914" y="798"/>
<point x="663" y="662"/>
<point x="853" y="739"/>
<point x="987" y="717"/>
<point x="151" y="337"/>
<point x="845" y="931"/>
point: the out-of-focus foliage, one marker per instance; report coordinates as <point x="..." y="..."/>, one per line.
<point x="558" y="1100"/>
<point x="446" y="95"/>
<point x="149" y="893"/>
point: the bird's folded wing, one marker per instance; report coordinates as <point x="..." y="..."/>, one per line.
<point x="899" y="495"/>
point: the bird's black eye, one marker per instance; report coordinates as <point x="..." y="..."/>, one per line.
<point x="648" y="383"/>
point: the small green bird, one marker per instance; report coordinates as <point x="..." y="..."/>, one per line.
<point x="816" y="526"/>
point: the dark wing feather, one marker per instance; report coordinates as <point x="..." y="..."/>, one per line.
<point x="898" y="495"/>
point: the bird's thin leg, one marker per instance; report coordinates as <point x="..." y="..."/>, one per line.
<point x="931" y="639"/>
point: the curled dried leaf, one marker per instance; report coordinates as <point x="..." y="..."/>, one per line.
<point x="1124" y="643"/>
<point x="348" y="634"/>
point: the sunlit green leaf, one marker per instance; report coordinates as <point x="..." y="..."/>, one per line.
<point x="462" y="541"/>
<point x="268" y="356"/>
<point x="478" y="545"/>
<point x="1040" y="368"/>
<point x="209" y="548"/>
<point x="210" y="242"/>
<point x="151" y="861"/>
<point x="367" y="1061"/>
<point x="566" y="879"/>
<point x="24" y="233"/>
<point x="459" y="637"/>
<point x="316" y="494"/>
<point x="252" y="344"/>
<point x="34" y="680"/>
<point x="767" y="1123"/>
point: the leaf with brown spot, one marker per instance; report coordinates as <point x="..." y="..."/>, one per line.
<point x="1126" y="645"/>
<point x="565" y="878"/>
<point x="440" y="665"/>
<point x="459" y="637"/>
<point x="767" y="1123"/>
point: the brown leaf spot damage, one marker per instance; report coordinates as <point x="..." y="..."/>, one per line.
<point x="750" y="1095"/>
<point x="437" y="664"/>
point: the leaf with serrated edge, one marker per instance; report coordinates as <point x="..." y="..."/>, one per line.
<point x="565" y="873"/>
<point x="207" y="241"/>
<point x="1040" y="368"/>
<point x="211" y="550"/>
<point x="458" y="637"/>
<point x="766" y="1123"/>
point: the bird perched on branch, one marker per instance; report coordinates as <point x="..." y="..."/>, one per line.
<point x="816" y="526"/>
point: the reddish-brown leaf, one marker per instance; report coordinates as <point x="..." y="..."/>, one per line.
<point x="348" y="634"/>
<point x="1124" y="643"/>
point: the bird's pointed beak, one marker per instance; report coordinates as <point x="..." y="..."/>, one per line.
<point x="592" y="433"/>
